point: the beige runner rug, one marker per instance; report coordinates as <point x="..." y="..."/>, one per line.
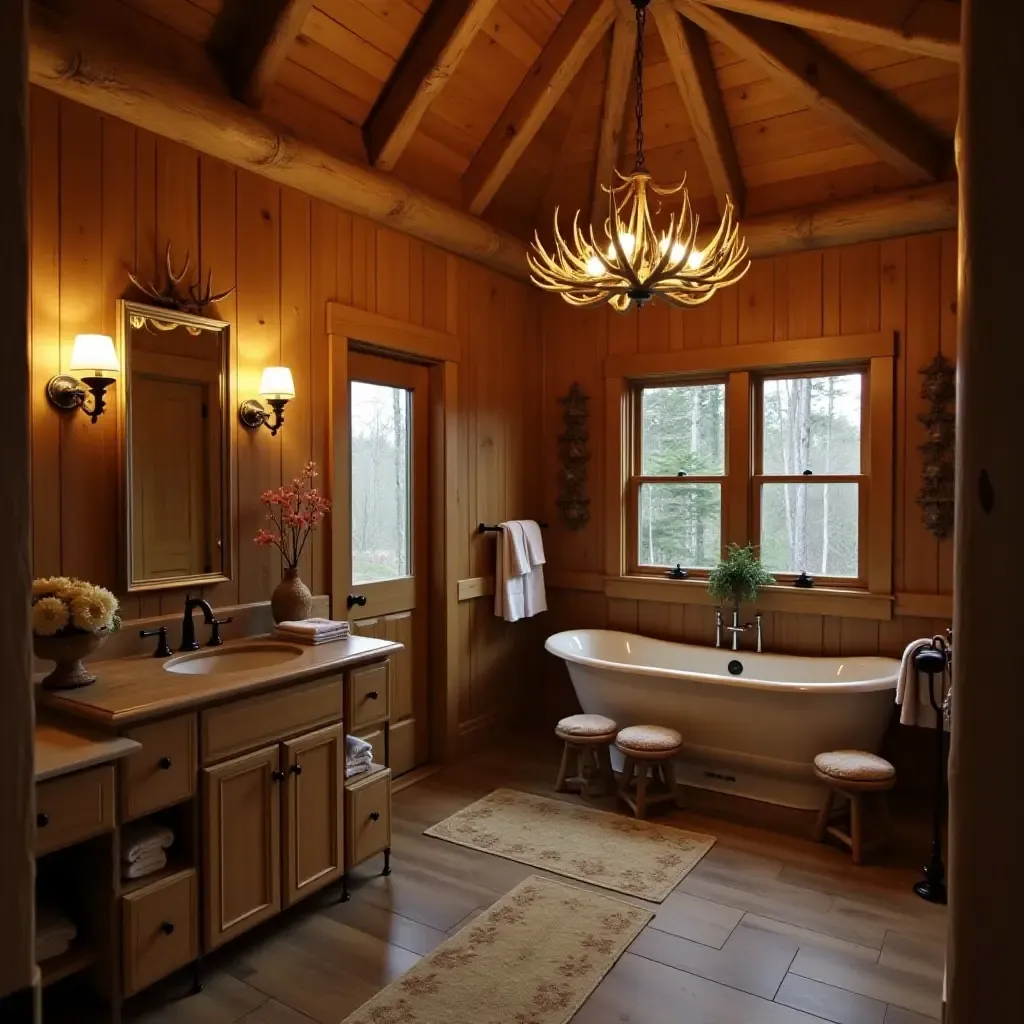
<point x="533" y="958"/>
<point x="609" y="850"/>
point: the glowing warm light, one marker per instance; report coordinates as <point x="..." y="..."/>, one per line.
<point x="94" y="352"/>
<point x="595" y="268"/>
<point x="277" y="382"/>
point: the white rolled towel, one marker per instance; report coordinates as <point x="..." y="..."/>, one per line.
<point x="355" y="747"/>
<point x="144" y="837"/>
<point x="155" y="860"/>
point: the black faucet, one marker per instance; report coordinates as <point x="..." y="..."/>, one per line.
<point x="188" y="629"/>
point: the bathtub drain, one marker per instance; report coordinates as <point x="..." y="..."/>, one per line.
<point x="735" y="667"/>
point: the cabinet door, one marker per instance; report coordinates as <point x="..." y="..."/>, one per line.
<point x="313" y="851"/>
<point x="242" y="843"/>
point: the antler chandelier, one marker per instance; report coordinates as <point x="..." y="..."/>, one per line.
<point x="636" y="262"/>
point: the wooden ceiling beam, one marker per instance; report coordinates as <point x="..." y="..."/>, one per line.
<point x="250" y="41"/>
<point x="822" y="81"/>
<point x="617" y="84"/>
<point x="136" y="84"/>
<point x="431" y="58"/>
<point x="579" y="31"/>
<point x="927" y="27"/>
<point x="689" y="56"/>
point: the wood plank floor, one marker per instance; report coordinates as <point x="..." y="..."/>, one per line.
<point x="767" y="929"/>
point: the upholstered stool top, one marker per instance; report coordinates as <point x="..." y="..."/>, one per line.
<point x="648" y="738"/>
<point x="854" y="766"/>
<point x="586" y="725"/>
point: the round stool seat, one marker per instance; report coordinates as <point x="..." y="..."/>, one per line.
<point x="585" y="727"/>
<point x="854" y="766"/>
<point x="648" y="740"/>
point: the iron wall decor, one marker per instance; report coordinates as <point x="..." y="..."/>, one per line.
<point x="937" y="473"/>
<point x="574" y="455"/>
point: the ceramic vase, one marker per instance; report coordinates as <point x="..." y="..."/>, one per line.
<point x="291" y="599"/>
<point x="68" y="652"/>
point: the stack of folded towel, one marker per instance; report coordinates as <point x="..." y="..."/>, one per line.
<point x="144" y="846"/>
<point x="312" y="631"/>
<point x="55" y="932"/>
<point x="358" y="756"/>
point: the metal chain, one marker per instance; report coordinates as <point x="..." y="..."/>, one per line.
<point x="641" y="21"/>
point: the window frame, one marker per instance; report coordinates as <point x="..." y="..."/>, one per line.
<point x="637" y="479"/>
<point x="743" y="367"/>
<point x="758" y="478"/>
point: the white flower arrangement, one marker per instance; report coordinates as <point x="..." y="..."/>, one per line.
<point x="64" y="607"/>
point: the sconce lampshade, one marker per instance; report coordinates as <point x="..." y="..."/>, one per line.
<point x="94" y="352"/>
<point x="277" y="383"/>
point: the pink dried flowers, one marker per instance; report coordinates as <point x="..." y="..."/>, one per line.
<point x="295" y="510"/>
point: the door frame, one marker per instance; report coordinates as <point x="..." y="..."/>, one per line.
<point x="440" y="351"/>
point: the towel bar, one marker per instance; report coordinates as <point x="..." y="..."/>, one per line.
<point x="484" y="528"/>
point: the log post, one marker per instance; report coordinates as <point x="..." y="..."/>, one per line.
<point x="18" y="995"/>
<point x="984" y="978"/>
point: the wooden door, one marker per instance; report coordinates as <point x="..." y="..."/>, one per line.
<point x="388" y="424"/>
<point x="313" y="819"/>
<point x="242" y="843"/>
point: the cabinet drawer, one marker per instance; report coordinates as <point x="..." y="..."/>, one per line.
<point x="367" y="817"/>
<point x="245" y="724"/>
<point x="368" y="695"/>
<point x="163" y="772"/>
<point x="74" y="808"/>
<point x="161" y="930"/>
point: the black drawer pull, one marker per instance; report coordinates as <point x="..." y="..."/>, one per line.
<point x="372" y="695"/>
<point x="277" y="776"/>
<point x="164" y="764"/>
<point x="42" y="819"/>
<point x="374" y="815"/>
<point x="167" y="928"/>
<point x="296" y="769"/>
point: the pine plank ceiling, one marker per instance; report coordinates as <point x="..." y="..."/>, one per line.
<point x="500" y="106"/>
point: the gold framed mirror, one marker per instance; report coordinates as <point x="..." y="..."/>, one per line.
<point x="178" y="466"/>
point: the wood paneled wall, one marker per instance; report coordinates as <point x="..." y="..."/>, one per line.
<point x="106" y="199"/>
<point x="906" y="285"/>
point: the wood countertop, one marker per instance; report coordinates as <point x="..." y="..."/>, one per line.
<point x="131" y="690"/>
<point x="61" y="749"/>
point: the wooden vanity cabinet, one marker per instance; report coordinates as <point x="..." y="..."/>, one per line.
<point x="272" y="829"/>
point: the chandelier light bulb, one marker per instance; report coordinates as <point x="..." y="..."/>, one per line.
<point x="595" y="268"/>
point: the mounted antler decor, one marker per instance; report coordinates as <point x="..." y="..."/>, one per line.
<point x="574" y="456"/>
<point x="168" y="296"/>
<point x="936" y="494"/>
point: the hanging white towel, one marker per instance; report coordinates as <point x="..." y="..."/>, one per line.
<point x="513" y="564"/>
<point x="535" y="597"/>
<point x="907" y="696"/>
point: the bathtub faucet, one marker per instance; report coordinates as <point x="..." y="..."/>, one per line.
<point x="736" y="629"/>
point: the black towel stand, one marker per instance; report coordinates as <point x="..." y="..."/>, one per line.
<point x="484" y="528"/>
<point x="935" y="660"/>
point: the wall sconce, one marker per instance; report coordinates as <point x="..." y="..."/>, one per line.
<point x="93" y="352"/>
<point x="278" y="388"/>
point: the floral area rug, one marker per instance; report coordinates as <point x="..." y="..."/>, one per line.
<point x="609" y="850"/>
<point x="533" y="958"/>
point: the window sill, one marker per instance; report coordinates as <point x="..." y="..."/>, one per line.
<point x="854" y="604"/>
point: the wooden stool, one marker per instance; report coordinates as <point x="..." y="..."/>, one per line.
<point x="647" y="775"/>
<point x="853" y="773"/>
<point x="588" y="738"/>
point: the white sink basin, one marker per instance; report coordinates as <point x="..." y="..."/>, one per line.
<point x="247" y="658"/>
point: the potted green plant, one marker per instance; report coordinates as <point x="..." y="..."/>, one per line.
<point x="739" y="577"/>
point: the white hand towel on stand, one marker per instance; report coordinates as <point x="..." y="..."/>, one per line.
<point x="912" y="703"/>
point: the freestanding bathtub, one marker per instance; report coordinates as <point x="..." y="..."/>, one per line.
<point x="751" y="723"/>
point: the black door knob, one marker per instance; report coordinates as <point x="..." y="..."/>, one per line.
<point x="371" y="695"/>
<point x="167" y="928"/>
<point x="164" y="763"/>
<point x="374" y="815"/>
<point x="356" y="599"/>
<point x="296" y="769"/>
<point x="277" y="776"/>
<point x="42" y="819"/>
